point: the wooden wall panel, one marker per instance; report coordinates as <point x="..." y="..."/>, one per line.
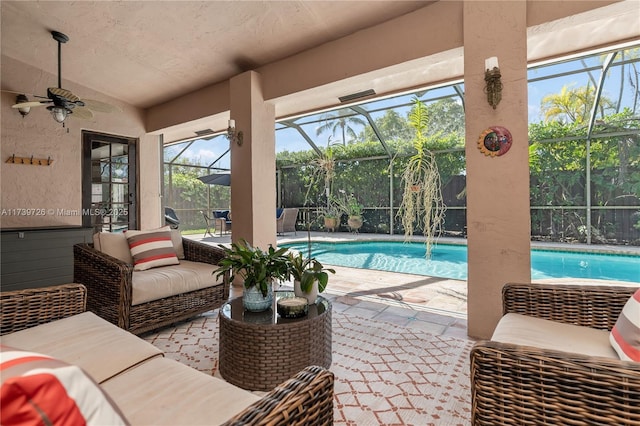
<point x="38" y="257"/>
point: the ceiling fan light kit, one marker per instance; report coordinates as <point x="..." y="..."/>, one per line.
<point x="60" y="102"/>
<point x="58" y="113"/>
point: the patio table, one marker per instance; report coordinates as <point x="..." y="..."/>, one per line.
<point x="260" y="350"/>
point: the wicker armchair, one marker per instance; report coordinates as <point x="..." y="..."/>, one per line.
<point x="305" y="399"/>
<point x="109" y="289"/>
<point x="517" y="385"/>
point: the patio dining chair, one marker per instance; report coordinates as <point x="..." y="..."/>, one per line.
<point x="171" y="218"/>
<point x="286" y="222"/>
<point x="222" y="221"/>
<point x="208" y="221"/>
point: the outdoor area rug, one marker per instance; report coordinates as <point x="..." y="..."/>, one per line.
<point x="385" y="374"/>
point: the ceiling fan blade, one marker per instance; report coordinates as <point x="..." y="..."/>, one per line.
<point x="81" y="113"/>
<point x="63" y="93"/>
<point x="99" y="106"/>
<point x="30" y="104"/>
<point x="30" y="95"/>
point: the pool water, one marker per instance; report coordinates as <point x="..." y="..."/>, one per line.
<point x="450" y="261"/>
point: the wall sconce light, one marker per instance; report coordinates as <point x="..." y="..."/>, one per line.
<point x="20" y="99"/>
<point x="493" y="85"/>
<point x="234" y="135"/>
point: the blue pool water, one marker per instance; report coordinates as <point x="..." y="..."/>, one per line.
<point x="450" y="261"/>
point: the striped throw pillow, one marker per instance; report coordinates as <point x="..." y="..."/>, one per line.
<point x="40" y="390"/>
<point x="151" y="249"/>
<point x="625" y="335"/>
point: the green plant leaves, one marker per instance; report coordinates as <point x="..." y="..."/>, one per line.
<point x="256" y="267"/>
<point x="308" y="271"/>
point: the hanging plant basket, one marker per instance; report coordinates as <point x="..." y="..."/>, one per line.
<point x="422" y="207"/>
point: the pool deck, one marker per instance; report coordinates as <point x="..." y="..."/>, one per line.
<point x="432" y="303"/>
<point x="541" y="245"/>
<point x="301" y="236"/>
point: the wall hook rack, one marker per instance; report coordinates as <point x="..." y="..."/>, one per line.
<point x="30" y="160"/>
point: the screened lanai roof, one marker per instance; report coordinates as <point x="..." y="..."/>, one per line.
<point x="611" y="78"/>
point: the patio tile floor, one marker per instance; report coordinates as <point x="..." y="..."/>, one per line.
<point x="431" y="304"/>
<point x="412" y="317"/>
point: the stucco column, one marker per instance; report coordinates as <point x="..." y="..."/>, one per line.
<point x="498" y="217"/>
<point x="253" y="181"/>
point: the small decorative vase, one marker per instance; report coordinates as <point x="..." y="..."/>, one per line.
<point x="354" y="222"/>
<point x="311" y="296"/>
<point x="254" y="301"/>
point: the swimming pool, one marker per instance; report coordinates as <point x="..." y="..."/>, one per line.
<point x="450" y="260"/>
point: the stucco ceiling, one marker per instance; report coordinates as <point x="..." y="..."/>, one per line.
<point x="148" y="52"/>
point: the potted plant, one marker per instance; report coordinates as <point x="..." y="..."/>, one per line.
<point x="310" y="277"/>
<point x="259" y="269"/>
<point x="331" y="215"/>
<point x="349" y="205"/>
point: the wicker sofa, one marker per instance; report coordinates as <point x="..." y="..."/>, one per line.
<point x="140" y="382"/>
<point x="113" y="287"/>
<point x="559" y="371"/>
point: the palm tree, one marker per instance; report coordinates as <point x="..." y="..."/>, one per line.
<point x="572" y="105"/>
<point x="391" y="125"/>
<point x="341" y="121"/>
<point x="634" y="78"/>
<point x="569" y="105"/>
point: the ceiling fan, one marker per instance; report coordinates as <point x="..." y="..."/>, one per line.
<point x="61" y="102"/>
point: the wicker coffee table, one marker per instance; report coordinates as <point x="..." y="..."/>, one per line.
<point x="260" y="350"/>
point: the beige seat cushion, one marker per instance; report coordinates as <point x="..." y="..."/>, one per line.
<point x="157" y="283"/>
<point x="524" y="330"/>
<point x="114" y="244"/>
<point x="164" y="392"/>
<point x="86" y="340"/>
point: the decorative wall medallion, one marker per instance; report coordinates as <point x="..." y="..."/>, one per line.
<point x="495" y="141"/>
